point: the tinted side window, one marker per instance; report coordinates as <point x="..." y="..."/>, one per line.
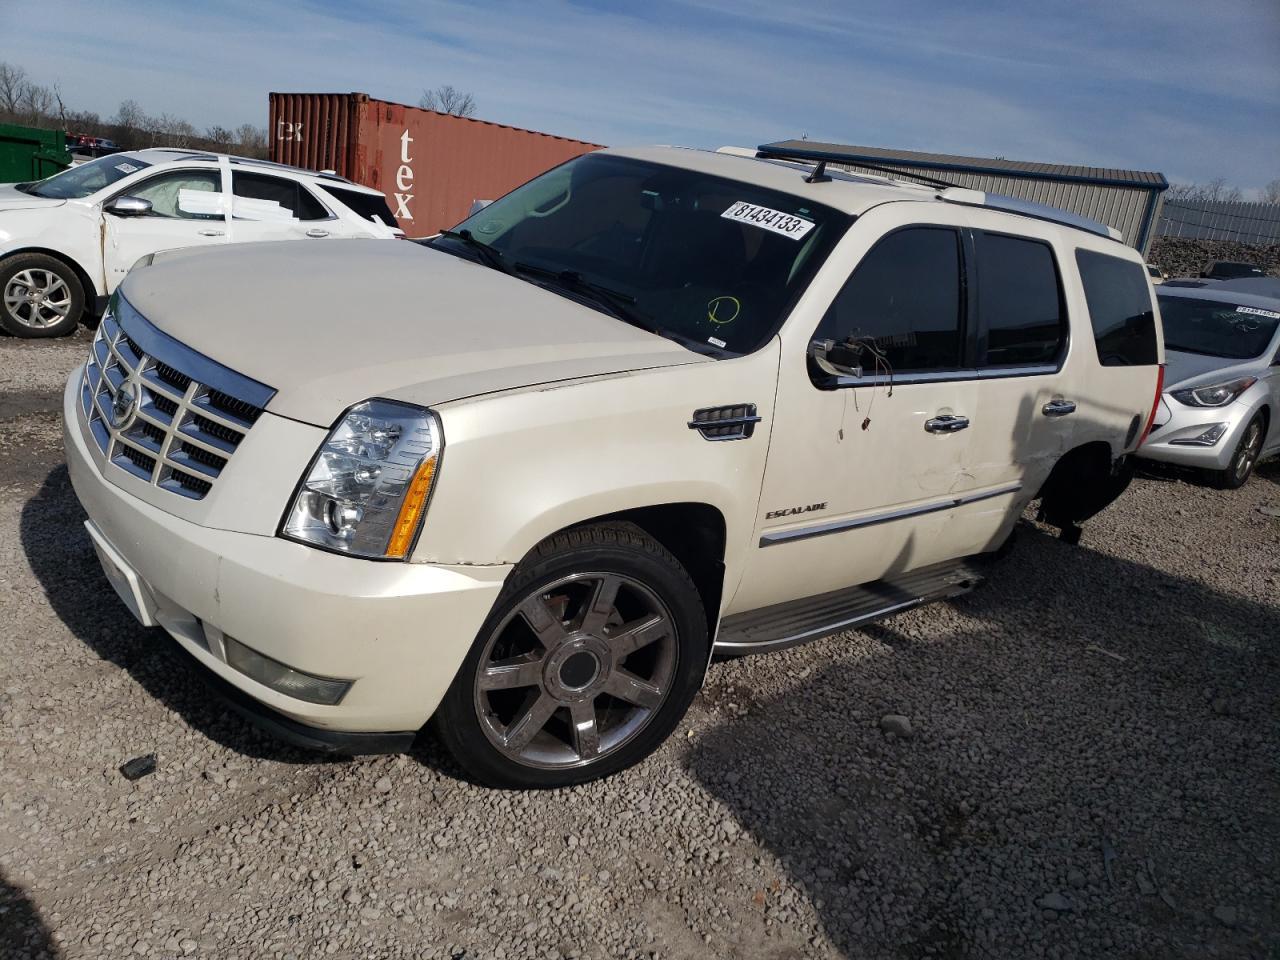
<point x="1124" y="325"/>
<point x="367" y="206"/>
<point x="904" y="297"/>
<point x="292" y="200"/>
<point x="1019" y="301"/>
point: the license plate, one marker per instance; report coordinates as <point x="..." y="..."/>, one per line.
<point x="122" y="577"/>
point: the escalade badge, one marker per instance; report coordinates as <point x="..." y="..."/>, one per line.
<point x="125" y="404"/>
<point x="792" y="511"/>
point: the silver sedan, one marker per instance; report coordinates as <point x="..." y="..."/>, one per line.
<point x="1220" y="411"/>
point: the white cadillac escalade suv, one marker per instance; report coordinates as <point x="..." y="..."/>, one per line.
<point x="525" y="477"/>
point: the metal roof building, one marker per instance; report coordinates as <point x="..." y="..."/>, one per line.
<point x="1128" y="200"/>
<point x="1257" y="223"/>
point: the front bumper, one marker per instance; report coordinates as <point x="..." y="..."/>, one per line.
<point x="398" y="630"/>
<point x="1178" y="422"/>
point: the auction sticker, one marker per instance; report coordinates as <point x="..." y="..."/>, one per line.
<point x="127" y="168"/>
<point x="1269" y="314"/>
<point x="766" y="219"/>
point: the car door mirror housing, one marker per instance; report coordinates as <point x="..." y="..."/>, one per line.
<point x="836" y="358"/>
<point x="128" y="207"/>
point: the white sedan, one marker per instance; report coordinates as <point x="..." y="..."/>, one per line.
<point x="67" y="241"/>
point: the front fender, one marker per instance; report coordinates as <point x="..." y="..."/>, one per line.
<point x="70" y="232"/>
<point x="520" y="465"/>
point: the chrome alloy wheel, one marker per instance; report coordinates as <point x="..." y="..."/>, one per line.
<point x="1247" y="455"/>
<point x="576" y="670"/>
<point x="37" y="298"/>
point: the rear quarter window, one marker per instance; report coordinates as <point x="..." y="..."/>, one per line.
<point x="367" y="206"/>
<point x="1020" y="312"/>
<point x="1118" y="295"/>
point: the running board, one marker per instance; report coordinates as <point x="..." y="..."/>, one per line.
<point x="810" y="618"/>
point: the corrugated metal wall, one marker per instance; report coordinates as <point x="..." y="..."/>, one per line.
<point x="315" y="130"/>
<point x="1125" y="208"/>
<point x="1220" y="220"/>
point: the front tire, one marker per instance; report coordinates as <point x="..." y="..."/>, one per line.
<point x="1244" y="459"/>
<point x="40" y="296"/>
<point x="587" y="662"/>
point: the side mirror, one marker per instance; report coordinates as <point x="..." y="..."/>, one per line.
<point x="836" y="359"/>
<point x="128" y="207"/>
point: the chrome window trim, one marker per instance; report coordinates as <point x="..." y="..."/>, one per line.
<point x="902" y="513"/>
<point x="947" y="376"/>
<point x="164" y="348"/>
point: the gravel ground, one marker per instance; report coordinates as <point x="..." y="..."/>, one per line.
<point x="1181" y="257"/>
<point x="1084" y="764"/>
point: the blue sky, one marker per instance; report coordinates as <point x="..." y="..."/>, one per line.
<point x="1180" y="86"/>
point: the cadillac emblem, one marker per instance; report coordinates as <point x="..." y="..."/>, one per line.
<point x="125" y="404"/>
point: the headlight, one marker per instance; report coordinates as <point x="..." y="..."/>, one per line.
<point x="1214" y="395"/>
<point x="367" y="489"/>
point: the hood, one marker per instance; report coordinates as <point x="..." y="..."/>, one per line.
<point x="11" y="198"/>
<point x="331" y="323"/>
<point x="1184" y="370"/>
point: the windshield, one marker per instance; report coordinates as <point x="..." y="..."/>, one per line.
<point x="1216" y="329"/>
<point x="707" y="261"/>
<point x="76" y="183"/>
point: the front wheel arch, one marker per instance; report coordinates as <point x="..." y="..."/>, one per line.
<point x="492" y="741"/>
<point x="92" y="295"/>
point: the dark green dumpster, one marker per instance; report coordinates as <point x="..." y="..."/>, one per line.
<point x="27" y="153"/>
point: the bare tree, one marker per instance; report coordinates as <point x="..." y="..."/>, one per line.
<point x="1215" y="190"/>
<point x="219" y="135"/>
<point x="250" y="138"/>
<point x="62" y="107"/>
<point x="13" y="86"/>
<point x="1271" y="192"/>
<point x="175" y="131"/>
<point x="37" y="102"/>
<point x="131" y="116"/>
<point x="447" y="99"/>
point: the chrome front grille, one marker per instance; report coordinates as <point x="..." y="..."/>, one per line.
<point x="152" y="417"/>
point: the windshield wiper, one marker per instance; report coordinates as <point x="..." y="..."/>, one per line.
<point x="614" y="301"/>
<point x="490" y="256"/>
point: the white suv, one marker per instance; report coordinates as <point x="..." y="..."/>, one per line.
<point x="654" y="403"/>
<point x="67" y="241"/>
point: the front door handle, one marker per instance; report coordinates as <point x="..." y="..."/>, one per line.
<point x="317" y="233"/>
<point x="1059" y="407"/>
<point x="946" y="423"/>
<point x="212" y="233"/>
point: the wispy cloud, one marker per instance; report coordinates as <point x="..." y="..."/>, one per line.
<point x="1105" y="82"/>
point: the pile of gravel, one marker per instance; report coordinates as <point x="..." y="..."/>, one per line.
<point x="1180" y="257"/>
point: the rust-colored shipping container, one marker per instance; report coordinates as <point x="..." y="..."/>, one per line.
<point x="431" y="166"/>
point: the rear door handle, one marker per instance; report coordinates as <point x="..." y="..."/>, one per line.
<point x="316" y="233"/>
<point x="946" y="423"/>
<point x="1059" y="407"/>
<point x="212" y="233"/>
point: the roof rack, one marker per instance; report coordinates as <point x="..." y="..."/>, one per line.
<point x="1029" y="208"/>
<point x="272" y="165"/>
<point x="949" y="192"/>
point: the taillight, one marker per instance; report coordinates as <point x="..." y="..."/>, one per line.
<point x="1155" y="404"/>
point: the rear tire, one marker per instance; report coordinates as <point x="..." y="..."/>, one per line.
<point x="587" y="662"/>
<point x="1244" y="459"/>
<point x="40" y="296"/>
